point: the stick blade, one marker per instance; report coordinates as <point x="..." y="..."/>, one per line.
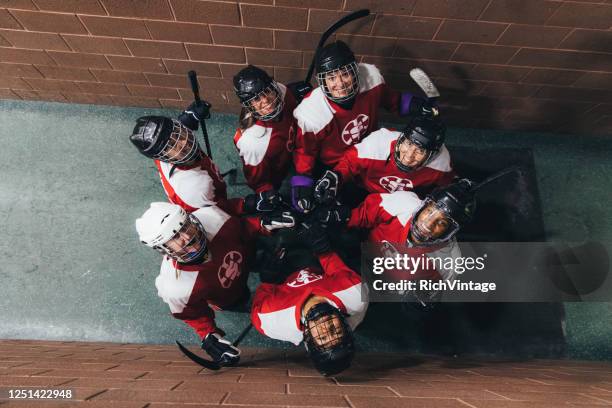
<point x="424" y="82"/>
<point x="211" y="365"/>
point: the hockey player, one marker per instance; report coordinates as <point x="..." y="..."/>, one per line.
<point x="340" y="112"/>
<point x="266" y="133"/>
<point x="388" y="161"/>
<point x="320" y="304"/>
<point x="189" y="177"/>
<point x="204" y="266"/>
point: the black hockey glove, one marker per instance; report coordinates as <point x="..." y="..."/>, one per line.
<point x="337" y="214"/>
<point x="316" y="238"/>
<point x="326" y="188"/>
<point x="416" y="106"/>
<point x="262" y="202"/>
<point x="277" y="220"/>
<point x="194" y="114"/>
<point x="299" y="89"/>
<point x="221" y="350"/>
<point x="301" y="193"/>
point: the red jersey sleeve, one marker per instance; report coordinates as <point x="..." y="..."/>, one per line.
<point x="369" y="213"/>
<point x="349" y="166"/>
<point x="201" y="318"/>
<point x="333" y="264"/>
<point x="390" y="99"/>
<point x="307" y="148"/>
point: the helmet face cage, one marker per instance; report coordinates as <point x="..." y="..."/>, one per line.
<point x="325" y="332"/>
<point x="188" y="243"/>
<point x="181" y="146"/>
<point x="269" y="101"/>
<point x="420" y="227"/>
<point x="340" y="75"/>
<point x="404" y="139"/>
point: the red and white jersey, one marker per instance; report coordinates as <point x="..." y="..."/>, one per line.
<point x="326" y="130"/>
<point x="277" y="309"/>
<point x="388" y="217"/>
<point x="196" y="186"/>
<point x="265" y="148"/>
<point x="370" y="164"/>
<point x="192" y="291"/>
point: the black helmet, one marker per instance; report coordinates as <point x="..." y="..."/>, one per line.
<point x="456" y="202"/>
<point x="156" y="137"/>
<point x="252" y="82"/>
<point x="338" y="57"/>
<point x="336" y="352"/>
<point x="428" y="134"/>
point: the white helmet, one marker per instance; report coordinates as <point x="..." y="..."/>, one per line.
<point x="170" y="230"/>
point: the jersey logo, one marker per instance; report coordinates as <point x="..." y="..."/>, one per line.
<point x="304" y="278"/>
<point x="394" y="183"/>
<point x="230" y="269"/>
<point x="355" y="129"/>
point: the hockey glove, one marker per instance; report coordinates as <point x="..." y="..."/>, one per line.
<point x="415" y="106"/>
<point x="326" y="188"/>
<point x="299" y="89"/>
<point x="194" y="114"/>
<point x="337" y="214"/>
<point x="221" y="350"/>
<point x="262" y="202"/>
<point x="278" y="220"/>
<point x="316" y="237"/>
<point x="301" y="193"/>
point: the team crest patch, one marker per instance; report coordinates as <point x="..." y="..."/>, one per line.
<point x="229" y="271"/>
<point x="304" y="277"/>
<point x="355" y="129"/>
<point x="394" y="183"/>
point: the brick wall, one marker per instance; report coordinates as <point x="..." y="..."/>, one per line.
<point x="510" y="64"/>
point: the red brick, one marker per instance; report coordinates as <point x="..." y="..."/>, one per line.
<point x="15" y="83"/>
<point x="8" y="21"/>
<point x="340" y="390"/>
<point x="287" y="75"/>
<point x="439" y="50"/>
<point x="55" y="72"/>
<point x="211" y="53"/>
<point x="574" y="94"/>
<point x="503" y="73"/>
<point x="202" y="68"/>
<point x="215" y="98"/>
<point x="137" y="64"/>
<point x="52" y="96"/>
<point x="120" y="77"/>
<point x="507" y="89"/>
<point x="97" y="89"/>
<point x="275" y="17"/>
<point x="274" y="57"/>
<point x="376" y="6"/>
<point x="105" y="89"/>
<point x="8" y="94"/>
<point x="468" y="10"/>
<point x="19" y="4"/>
<point x="161" y="396"/>
<point x="96" y="45"/>
<point x="589" y="40"/>
<point x="31" y="381"/>
<point x="244" y="37"/>
<point x="490" y="54"/>
<point x="50" y="22"/>
<point x="72" y="6"/>
<point x="169" y="80"/>
<point x="533" y="36"/>
<point x="77" y="59"/>
<point x="297" y="40"/>
<point x="25" y="56"/>
<point x="19" y="70"/>
<point x="316" y="4"/>
<point x="159" y="49"/>
<point x="582" y="15"/>
<point x="405" y="27"/>
<point x="562" y="59"/>
<point x="206" y="12"/>
<point x="204" y="387"/>
<point x="293" y="400"/>
<point x="520" y="11"/>
<point x="183" y="32"/>
<point x="39" y="41"/>
<point x="115" y="27"/>
<point x="470" y="31"/>
<point x="552" y="76"/>
<point x="135" y="101"/>
<point x="370" y="45"/>
<point x="376" y="402"/>
<point x="51" y="85"/>
<point x="320" y="20"/>
<point x="447" y="86"/>
<point x="595" y="80"/>
<point x="153" y="9"/>
<point x="153" y="92"/>
<point x="88" y="99"/>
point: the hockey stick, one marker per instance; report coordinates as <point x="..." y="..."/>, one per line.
<point x="424" y="82"/>
<point x="212" y="365"/>
<point x="195" y="88"/>
<point x="301" y="88"/>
